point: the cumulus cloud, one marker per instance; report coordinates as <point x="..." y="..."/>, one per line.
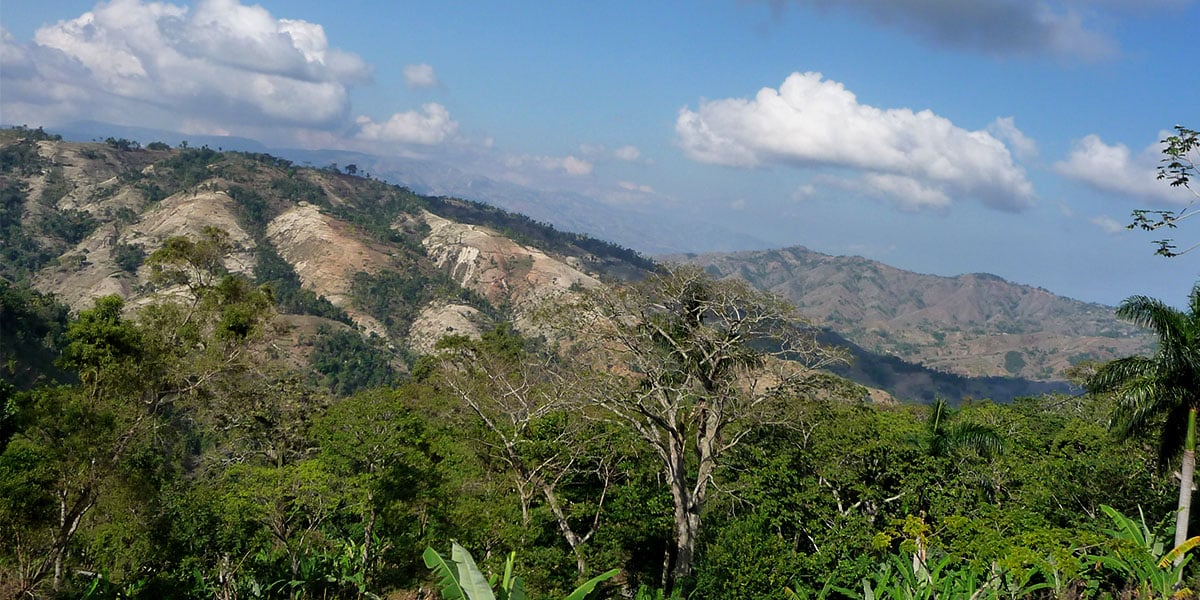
<point x="1022" y="145"/>
<point x="420" y="76"/>
<point x="431" y="125"/>
<point x="219" y="65"/>
<point x="995" y="27"/>
<point x="917" y="159"/>
<point x="627" y="153"/>
<point x="1108" y="224"/>
<point x="1115" y="169"/>
<point x="570" y="165"/>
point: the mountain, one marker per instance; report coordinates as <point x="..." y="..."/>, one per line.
<point x="342" y="253"/>
<point x="975" y="325"/>
<point x="369" y="275"/>
<point x="646" y="229"/>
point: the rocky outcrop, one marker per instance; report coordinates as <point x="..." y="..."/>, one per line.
<point x="88" y="271"/>
<point x="326" y="253"/>
<point x="439" y="320"/>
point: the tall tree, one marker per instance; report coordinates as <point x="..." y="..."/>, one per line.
<point x="1161" y="391"/>
<point x="528" y="405"/>
<point x="1181" y="154"/>
<point x="702" y="364"/>
<point x="943" y="437"/>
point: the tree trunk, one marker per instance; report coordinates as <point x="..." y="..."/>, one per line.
<point x="687" y="517"/>
<point x="1186" y="471"/>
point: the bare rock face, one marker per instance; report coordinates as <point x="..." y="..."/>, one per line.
<point x="326" y="253"/>
<point x="437" y="321"/>
<point x="500" y="269"/>
<point x="88" y="271"/>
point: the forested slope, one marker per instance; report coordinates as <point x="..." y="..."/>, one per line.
<point x="277" y="382"/>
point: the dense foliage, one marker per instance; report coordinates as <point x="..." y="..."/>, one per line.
<point x="189" y="466"/>
<point x="168" y="449"/>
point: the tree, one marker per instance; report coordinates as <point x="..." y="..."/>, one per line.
<point x="1160" y="391"/>
<point x="1181" y="153"/>
<point x="527" y="402"/>
<point x="943" y="438"/>
<point x="702" y="367"/>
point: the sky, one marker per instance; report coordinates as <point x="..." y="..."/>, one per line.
<point x="1012" y="137"/>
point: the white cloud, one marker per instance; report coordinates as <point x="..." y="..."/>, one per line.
<point x="1022" y="145"/>
<point x="627" y="153"/>
<point x="995" y="27"/>
<point x="420" y="76"/>
<point x="908" y="193"/>
<point x="432" y="125"/>
<point x="575" y="166"/>
<point x="1108" y="224"/>
<point x="570" y="165"/>
<point x="1115" y="169"/>
<point x="804" y="192"/>
<point x="812" y="122"/>
<point x="635" y="187"/>
<point x="220" y="65"/>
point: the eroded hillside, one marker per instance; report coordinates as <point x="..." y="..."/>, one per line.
<point x="80" y="221"/>
<point x="976" y="325"/>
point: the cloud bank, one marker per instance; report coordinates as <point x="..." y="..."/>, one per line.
<point x="1117" y="170"/>
<point x="212" y="68"/>
<point x="996" y="27"/>
<point x="915" y="159"/>
<point x="221" y="63"/>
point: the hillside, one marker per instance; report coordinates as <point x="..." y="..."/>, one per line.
<point x="368" y="276"/>
<point x="340" y="252"/>
<point x="975" y="325"/>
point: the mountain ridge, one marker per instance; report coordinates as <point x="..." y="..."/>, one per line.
<point x="344" y="249"/>
<point x="975" y="324"/>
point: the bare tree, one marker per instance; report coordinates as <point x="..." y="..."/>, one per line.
<point x="704" y="363"/>
<point x="526" y="402"/>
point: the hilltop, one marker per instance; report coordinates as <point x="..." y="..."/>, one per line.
<point x="368" y="275"/>
<point x="973" y="325"/>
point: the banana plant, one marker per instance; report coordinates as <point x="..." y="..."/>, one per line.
<point x="1141" y="555"/>
<point x="460" y="578"/>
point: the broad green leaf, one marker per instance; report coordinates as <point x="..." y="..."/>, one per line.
<point x="473" y="583"/>
<point x="1178" y="551"/>
<point x="447" y="575"/>
<point x="582" y="591"/>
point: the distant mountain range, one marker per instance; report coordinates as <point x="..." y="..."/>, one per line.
<point x="89" y="211"/>
<point x="976" y="325"/>
<point x="641" y="229"/>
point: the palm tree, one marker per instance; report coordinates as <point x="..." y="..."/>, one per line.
<point x="943" y="438"/>
<point x="1160" y="391"/>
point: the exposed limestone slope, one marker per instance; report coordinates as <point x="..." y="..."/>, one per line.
<point x="88" y="271"/>
<point x="498" y="268"/>
<point x="326" y="253"/>
<point x="439" y="320"/>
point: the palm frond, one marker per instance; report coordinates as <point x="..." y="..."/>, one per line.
<point x="981" y="438"/>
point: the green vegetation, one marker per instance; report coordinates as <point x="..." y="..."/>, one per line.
<point x="347" y="364"/>
<point x="1181" y="155"/>
<point x="191" y="465"/>
<point x="1161" y="392"/>
<point x="173" y="448"/>
<point x="128" y="256"/>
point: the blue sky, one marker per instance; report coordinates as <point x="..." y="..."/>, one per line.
<point x="1002" y="136"/>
